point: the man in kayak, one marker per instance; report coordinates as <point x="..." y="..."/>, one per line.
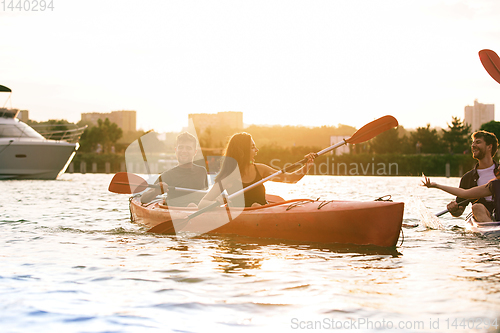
<point x="484" y="147"/>
<point x="492" y="188"/>
<point x="185" y="175"/>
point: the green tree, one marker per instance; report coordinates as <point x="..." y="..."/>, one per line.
<point x="109" y="134"/>
<point x="406" y="145"/>
<point x="492" y="127"/>
<point x="456" y="138"/>
<point x="89" y="140"/>
<point x="428" y="140"/>
<point x="51" y="129"/>
<point x="386" y="142"/>
<point x="105" y="134"/>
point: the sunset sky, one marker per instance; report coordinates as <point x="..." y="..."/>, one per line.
<point x="287" y="62"/>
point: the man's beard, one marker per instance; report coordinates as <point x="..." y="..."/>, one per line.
<point x="480" y="155"/>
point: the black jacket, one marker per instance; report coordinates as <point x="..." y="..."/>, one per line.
<point x="469" y="180"/>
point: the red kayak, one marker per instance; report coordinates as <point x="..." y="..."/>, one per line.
<point x="349" y="222"/>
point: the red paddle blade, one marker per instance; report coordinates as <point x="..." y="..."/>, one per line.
<point x="127" y="183"/>
<point x="373" y="129"/>
<point x="491" y="62"/>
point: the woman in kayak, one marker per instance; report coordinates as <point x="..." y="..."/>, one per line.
<point x="481" y="214"/>
<point x="241" y="151"/>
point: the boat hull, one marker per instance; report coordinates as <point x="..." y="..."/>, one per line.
<point x="34" y="159"/>
<point x="349" y="222"/>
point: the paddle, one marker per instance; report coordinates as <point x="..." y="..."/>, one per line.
<point x="446" y="210"/>
<point x="364" y="134"/>
<point x="491" y="62"/>
<point x="129" y="183"/>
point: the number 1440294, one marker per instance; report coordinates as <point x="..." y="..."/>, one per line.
<point x="471" y="323"/>
<point x="27" y="5"/>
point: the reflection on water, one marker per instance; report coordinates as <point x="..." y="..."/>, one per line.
<point x="72" y="261"/>
<point x="236" y="253"/>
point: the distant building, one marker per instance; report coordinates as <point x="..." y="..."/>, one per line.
<point x="23" y="115"/>
<point x="478" y="114"/>
<point x="126" y="120"/>
<point x="230" y="119"/>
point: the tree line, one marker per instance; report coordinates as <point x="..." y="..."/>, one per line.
<point x="423" y="149"/>
<point x="103" y="137"/>
<point x="107" y="137"/>
<point x="456" y="139"/>
<point x="425" y="140"/>
<point x="282" y="136"/>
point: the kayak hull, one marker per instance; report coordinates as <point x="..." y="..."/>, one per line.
<point x="349" y="222"/>
<point x="483" y="228"/>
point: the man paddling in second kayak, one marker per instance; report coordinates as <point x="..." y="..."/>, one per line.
<point x="484" y="147"/>
<point x="492" y="188"/>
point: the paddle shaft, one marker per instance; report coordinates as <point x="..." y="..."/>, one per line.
<point x="446" y="210"/>
<point x="143" y="153"/>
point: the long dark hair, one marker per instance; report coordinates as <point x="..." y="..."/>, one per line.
<point x="237" y="153"/>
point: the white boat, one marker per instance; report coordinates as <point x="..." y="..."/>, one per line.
<point x="26" y="154"/>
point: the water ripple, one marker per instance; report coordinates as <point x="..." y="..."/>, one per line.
<point x="71" y="261"/>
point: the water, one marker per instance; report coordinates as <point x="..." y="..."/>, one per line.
<point x="71" y="261"/>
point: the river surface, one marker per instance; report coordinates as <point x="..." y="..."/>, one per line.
<point x="71" y="261"/>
